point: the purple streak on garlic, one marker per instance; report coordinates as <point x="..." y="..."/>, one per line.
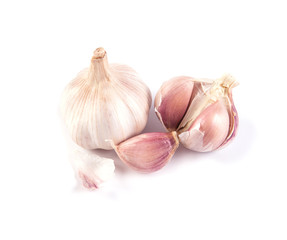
<point x="148" y="152"/>
<point x="211" y="120"/>
<point x="172" y="100"/>
<point x="105" y="101"/>
<point x="90" y="169"/>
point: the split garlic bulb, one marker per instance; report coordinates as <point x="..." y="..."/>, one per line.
<point x="105" y="102"/>
<point x="206" y="118"/>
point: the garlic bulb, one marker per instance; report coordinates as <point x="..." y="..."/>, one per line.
<point x="91" y="169"/>
<point x="148" y="152"/>
<point x="208" y="119"/>
<point x="105" y="101"/>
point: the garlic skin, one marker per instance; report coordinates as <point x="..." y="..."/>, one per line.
<point x="148" y="152"/>
<point x="105" y="101"/>
<point x="90" y="169"/>
<point x="211" y="120"/>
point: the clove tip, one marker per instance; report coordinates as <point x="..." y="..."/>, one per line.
<point x="228" y="81"/>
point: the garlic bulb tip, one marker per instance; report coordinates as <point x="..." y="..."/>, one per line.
<point x="99" y="53"/>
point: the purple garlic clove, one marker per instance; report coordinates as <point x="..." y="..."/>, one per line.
<point x="148" y="152"/>
<point x="172" y="100"/>
<point x="211" y="120"/>
<point x="209" y="130"/>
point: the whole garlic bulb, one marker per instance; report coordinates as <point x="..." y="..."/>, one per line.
<point x="105" y="102"/>
<point x="206" y="118"/>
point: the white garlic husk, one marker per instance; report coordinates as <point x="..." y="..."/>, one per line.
<point x="91" y="169"/>
<point x="105" y="101"/>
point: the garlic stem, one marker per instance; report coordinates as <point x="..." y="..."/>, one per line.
<point x="99" y="68"/>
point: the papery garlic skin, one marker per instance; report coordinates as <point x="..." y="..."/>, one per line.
<point x="90" y="169"/>
<point x="211" y="120"/>
<point x="148" y="152"/>
<point x="105" y="101"/>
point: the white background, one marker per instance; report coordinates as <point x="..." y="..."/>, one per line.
<point x="236" y="193"/>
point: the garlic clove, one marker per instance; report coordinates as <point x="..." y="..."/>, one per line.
<point x="174" y="97"/>
<point x="211" y="120"/>
<point x="172" y="100"/>
<point x="148" y="152"/>
<point x="90" y="169"/>
<point x="105" y="101"/>
<point x="209" y="130"/>
<point x="219" y="88"/>
<point x="233" y="117"/>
